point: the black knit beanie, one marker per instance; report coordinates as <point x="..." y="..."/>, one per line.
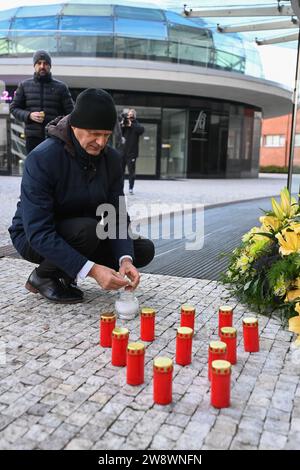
<point x="95" y="110"/>
<point x="41" y="55"/>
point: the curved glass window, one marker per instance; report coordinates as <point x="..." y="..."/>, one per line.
<point x="42" y="10"/>
<point x="173" y="17"/>
<point x="147" y="14"/>
<point x="86" y="25"/>
<point x="4" y="28"/>
<point x="109" y="30"/>
<point x="87" y="10"/>
<point x="140" y="29"/>
<point x="28" y="45"/>
<point x="34" y="26"/>
<point x="8" y="14"/>
<point x="144" y="49"/>
<point x="86" y="46"/>
<point x="186" y="34"/>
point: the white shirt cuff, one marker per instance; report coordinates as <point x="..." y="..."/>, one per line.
<point x="123" y="257"/>
<point x="85" y="270"/>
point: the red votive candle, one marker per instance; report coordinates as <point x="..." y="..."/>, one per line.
<point x="216" y="351"/>
<point x="187" y="317"/>
<point x="225" y="316"/>
<point x="250" y="334"/>
<point x="119" y="346"/>
<point x="135" y="363"/>
<point x="107" y="324"/>
<point x="147" y="324"/>
<point x="228" y="336"/>
<point x="220" y="384"/>
<point x="184" y="340"/>
<point x="162" y="380"/>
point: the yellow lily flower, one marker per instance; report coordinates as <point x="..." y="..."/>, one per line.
<point x="277" y="209"/>
<point x="270" y="222"/>
<point x="292" y="295"/>
<point x="294" y="324"/>
<point x="295" y="226"/>
<point x="289" y="242"/>
<point x="297" y="283"/>
<point x="285" y="201"/>
<point x="287" y="206"/>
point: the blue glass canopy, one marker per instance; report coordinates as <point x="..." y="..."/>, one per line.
<point x="103" y="30"/>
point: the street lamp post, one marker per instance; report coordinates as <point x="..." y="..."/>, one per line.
<point x="294" y="117"/>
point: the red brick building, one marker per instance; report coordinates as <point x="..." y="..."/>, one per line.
<point x="275" y="141"/>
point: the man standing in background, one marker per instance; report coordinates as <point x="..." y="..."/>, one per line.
<point x="40" y="99"/>
<point x="131" y="130"/>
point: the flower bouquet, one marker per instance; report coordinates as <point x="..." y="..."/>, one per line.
<point x="264" y="271"/>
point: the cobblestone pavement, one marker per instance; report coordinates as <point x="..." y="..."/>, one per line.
<point x="58" y="389"/>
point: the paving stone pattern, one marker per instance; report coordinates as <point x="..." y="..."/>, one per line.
<point x="58" y="389"/>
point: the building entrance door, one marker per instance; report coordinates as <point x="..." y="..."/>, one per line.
<point x="5" y="162"/>
<point x="148" y="163"/>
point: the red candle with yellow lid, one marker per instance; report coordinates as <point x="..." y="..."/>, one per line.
<point x="228" y="336"/>
<point x="220" y="384"/>
<point x="250" y="334"/>
<point x="216" y="351"/>
<point x="147" y="317"/>
<point x="119" y="346"/>
<point x="225" y="316"/>
<point x="187" y="317"/>
<point x="107" y="324"/>
<point x="184" y="340"/>
<point x="162" y="380"/>
<point x="135" y="363"/>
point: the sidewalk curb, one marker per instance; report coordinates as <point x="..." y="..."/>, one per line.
<point x="204" y="206"/>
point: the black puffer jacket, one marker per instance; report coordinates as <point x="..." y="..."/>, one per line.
<point x="35" y="94"/>
<point x="132" y="134"/>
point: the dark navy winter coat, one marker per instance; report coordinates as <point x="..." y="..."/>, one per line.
<point x="56" y="185"/>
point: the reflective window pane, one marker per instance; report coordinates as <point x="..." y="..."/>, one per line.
<point x="178" y="19"/>
<point x="147" y="14"/>
<point x="91" y="10"/>
<point x="90" y="46"/>
<point x="189" y="35"/>
<point x="34" y="26"/>
<point x="4" y="47"/>
<point x="140" y="49"/>
<point x="28" y="45"/>
<point x="8" y="14"/>
<point x="87" y="25"/>
<point x="4" y="27"/>
<point x="42" y="10"/>
<point x="140" y="29"/>
<point x="173" y="143"/>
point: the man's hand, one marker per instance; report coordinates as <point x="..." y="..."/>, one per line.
<point x="108" y="278"/>
<point x="129" y="270"/>
<point x="37" y="116"/>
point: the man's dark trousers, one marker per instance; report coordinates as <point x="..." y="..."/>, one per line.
<point x="80" y="233"/>
<point x="130" y="162"/>
<point x="32" y="142"/>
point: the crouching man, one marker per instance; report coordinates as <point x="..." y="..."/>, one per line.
<point x="55" y="226"/>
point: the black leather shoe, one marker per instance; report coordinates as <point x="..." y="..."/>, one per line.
<point x="72" y="286"/>
<point x="52" y="289"/>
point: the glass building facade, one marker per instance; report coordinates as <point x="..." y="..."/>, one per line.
<point x="121" y="31"/>
<point x="185" y="135"/>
